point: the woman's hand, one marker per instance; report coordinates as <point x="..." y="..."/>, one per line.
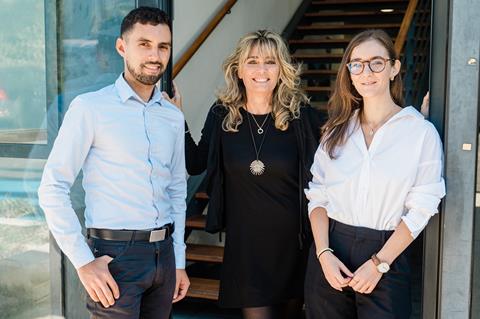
<point x="177" y="97"/>
<point x="332" y="269"/>
<point x="366" y="278"/>
<point x="425" y="108"/>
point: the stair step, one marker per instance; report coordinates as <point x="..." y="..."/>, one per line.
<point x="349" y="26"/>
<point x="319" y="43"/>
<point x="207" y="253"/>
<point x="317" y="73"/>
<point x="316" y="57"/>
<point x="325" y="2"/>
<point x="323" y="43"/>
<point x="201" y="195"/>
<point x="344" y="28"/>
<point x="322" y="106"/>
<point x="318" y="93"/>
<point x="328" y="14"/>
<point x="357" y="5"/>
<point x="317" y="89"/>
<point x="196" y="222"/>
<point x="203" y="288"/>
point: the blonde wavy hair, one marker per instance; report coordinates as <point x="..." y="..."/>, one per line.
<point x="287" y="96"/>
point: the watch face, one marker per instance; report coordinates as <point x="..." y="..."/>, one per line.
<point x="383" y="268"/>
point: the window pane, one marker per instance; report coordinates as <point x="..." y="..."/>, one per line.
<point x="22" y="72"/>
<point x="89" y="60"/>
<point x="83" y="59"/>
<point x="24" y="242"/>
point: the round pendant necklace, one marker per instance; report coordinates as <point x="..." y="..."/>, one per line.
<point x="257" y="167"/>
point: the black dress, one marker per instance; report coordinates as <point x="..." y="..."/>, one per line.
<point x="268" y="228"/>
<point x="263" y="264"/>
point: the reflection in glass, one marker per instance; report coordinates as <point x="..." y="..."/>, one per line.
<point x="24" y="242"/>
<point x="89" y="59"/>
<point x="22" y="72"/>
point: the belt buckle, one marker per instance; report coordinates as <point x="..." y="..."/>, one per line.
<point x="157" y="235"/>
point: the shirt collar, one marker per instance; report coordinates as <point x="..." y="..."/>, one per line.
<point x="409" y="111"/>
<point x="406" y="111"/>
<point x="126" y="92"/>
<point x="355" y="130"/>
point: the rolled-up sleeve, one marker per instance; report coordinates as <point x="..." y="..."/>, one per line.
<point x="68" y="154"/>
<point x="424" y="197"/>
<point x="177" y="190"/>
<point x="316" y="192"/>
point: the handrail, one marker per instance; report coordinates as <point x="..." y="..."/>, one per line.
<point x="406" y="22"/>
<point x="202" y="37"/>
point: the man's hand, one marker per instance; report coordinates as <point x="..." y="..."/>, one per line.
<point x="177" y="97"/>
<point x="181" y="285"/>
<point x="98" y="281"/>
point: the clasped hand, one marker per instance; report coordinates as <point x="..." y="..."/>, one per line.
<point x="363" y="280"/>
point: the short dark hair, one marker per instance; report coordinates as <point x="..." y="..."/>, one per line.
<point x="144" y="15"/>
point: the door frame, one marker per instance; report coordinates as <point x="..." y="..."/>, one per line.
<point x="454" y="86"/>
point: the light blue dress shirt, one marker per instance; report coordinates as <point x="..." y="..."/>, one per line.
<point x="133" y="162"/>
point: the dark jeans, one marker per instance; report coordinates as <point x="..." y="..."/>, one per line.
<point x="354" y="246"/>
<point x="145" y="274"/>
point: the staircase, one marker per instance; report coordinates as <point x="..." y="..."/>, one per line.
<point x="325" y="29"/>
<point x="318" y="35"/>
<point x="208" y="255"/>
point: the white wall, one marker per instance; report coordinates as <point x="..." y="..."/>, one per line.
<point x="189" y="19"/>
<point x="202" y="76"/>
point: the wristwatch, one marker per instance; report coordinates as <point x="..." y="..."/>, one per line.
<point x="382" y="267"/>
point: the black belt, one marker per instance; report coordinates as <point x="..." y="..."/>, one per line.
<point x="153" y="235"/>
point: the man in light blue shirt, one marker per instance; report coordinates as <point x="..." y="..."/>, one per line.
<point x="129" y="142"/>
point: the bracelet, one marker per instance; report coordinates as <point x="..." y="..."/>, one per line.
<point x="324" y="250"/>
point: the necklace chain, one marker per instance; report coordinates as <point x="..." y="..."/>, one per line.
<point x="374" y="130"/>
<point x="260" y="127"/>
<point x="257" y="167"/>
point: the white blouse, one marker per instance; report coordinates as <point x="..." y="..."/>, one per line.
<point x="399" y="177"/>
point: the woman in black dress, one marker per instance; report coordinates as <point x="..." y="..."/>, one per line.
<point x="257" y="146"/>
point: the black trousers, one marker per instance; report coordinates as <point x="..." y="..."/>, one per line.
<point x="354" y="246"/>
<point x="145" y="274"/>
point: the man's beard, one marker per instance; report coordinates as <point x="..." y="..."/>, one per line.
<point x="146" y="79"/>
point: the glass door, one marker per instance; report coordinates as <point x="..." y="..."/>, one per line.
<point x="26" y="286"/>
<point x="50" y="52"/>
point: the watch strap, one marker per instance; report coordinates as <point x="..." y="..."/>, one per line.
<point x="375" y="260"/>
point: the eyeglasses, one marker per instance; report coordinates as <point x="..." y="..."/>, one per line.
<point x="376" y="65"/>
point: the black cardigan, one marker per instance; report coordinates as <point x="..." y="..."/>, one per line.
<point x="207" y="155"/>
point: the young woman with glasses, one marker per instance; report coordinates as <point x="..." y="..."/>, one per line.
<point x="377" y="179"/>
